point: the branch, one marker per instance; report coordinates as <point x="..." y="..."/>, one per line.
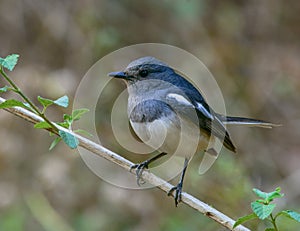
<point x="147" y="176"/>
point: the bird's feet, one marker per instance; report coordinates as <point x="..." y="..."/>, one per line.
<point x="139" y="168"/>
<point x="178" y="191"/>
<point x="142" y="166"/>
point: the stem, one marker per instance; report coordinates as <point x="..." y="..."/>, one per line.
<point x="273" y="220"/>
<point x="26" y="99"/>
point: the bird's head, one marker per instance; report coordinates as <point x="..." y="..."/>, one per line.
<point x="144" y="68"/>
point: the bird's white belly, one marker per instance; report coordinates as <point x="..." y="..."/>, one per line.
<point x="173" y="137"/>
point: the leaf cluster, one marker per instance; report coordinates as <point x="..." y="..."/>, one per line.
<point x="263" y="209"/>
<point x="9" y="63"/>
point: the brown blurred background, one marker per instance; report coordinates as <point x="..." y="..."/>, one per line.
<point x="251" y="47"/>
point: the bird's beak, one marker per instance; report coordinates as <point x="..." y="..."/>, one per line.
<point x="118" y="74"/>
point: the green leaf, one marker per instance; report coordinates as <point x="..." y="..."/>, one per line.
<point x="9" y="62"/>
<point x="68" y="120"/>
<point x="11" y="103"/>
<point x="262" y="210"/>
<point x="259" y="193"/>
<point x="78" y="113"/>
<point x="268" y="197"/>
<point x="269" y="229"/>
<point x="292" y="214"/>
<point x="4" y="89"/>
<point x="42" y="124"/>
<point x="67" y="117"/>
<point x="244" y="219"/>
<point x="275" y="194"/>
<point x="261" y="201"/>
<point x="45" y="102"/>
<point x="62" y="101"/>
<point x="69" y="139"/>
<point x="83" y="132"/>
<point x="54" y="143"/>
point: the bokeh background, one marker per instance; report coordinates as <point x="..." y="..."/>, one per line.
<point x="251" y="47"/>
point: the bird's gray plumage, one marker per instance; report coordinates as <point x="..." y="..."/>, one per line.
<point x="146" y="92"/>
<point x="149" y="110"/>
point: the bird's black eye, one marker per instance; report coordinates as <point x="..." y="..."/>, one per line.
<point x="143" y="73"/>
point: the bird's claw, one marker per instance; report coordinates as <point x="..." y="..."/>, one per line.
<point x="178" y="191"/>
<point x="142" y="166"/>
<point x="139" y="171"/>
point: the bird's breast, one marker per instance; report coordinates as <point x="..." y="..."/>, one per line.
<point x="171" y="135"/>
<point x="161" y="128"/>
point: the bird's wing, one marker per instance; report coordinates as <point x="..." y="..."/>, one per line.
<point x="133" y="133"/>
<point x="197" y="110"/>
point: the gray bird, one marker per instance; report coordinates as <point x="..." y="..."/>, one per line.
<point x="164" y="108"/>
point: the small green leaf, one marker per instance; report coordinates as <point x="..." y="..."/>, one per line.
<point x="261" y="201"/>
<point x="69" y="139"/>
<point x="292" y="214"/>
<point x="11" y="103"/>
<point x="262" y="210"/>
<point x="244" y="219"/>
<point x="45" y="102"/>
<point x="259" y="193"/>
<point x="275" y="194"/>
<point x="78" y="113"/>
<point x="9" y="62"/>
<point x="269" y="229"/>
<point x="62" y="101"/>
<point x="54" y="143"/>
<point x="68" y="120"/>
<point x="42" y="124"/>
<point x="4" y="89"/>
<point x="67" y="117"/>
<point x="268" y="197"/>
<point x="83" y="132"/>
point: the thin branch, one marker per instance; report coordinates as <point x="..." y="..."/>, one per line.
<point x="147" y="176"/>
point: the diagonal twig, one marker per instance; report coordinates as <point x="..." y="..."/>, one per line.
<point x="99" y="150"/>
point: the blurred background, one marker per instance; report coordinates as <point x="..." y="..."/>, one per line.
<point x="251" y="47"/>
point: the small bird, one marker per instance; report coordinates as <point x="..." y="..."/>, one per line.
<point x="164" y="107"/>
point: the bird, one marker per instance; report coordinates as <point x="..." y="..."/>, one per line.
<point x="164" y="107"/>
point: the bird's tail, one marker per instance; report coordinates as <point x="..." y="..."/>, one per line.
<point x="231" y="120"/>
